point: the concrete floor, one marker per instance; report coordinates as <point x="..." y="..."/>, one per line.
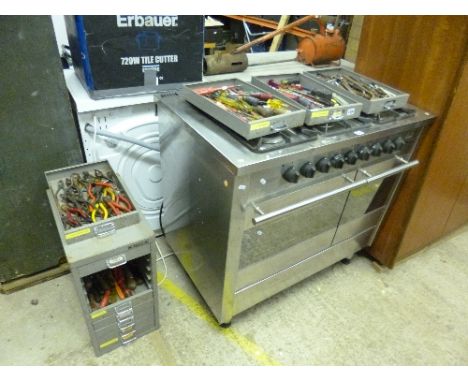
<point x="415" y="314"/>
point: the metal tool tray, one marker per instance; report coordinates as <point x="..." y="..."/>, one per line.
<point x="396" y="100"/>
<point x="249" y="130"/>
<point x="314" y="116"/>
<point x="99" y="228"/>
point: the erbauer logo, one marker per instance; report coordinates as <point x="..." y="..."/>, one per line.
<point x="146" y="21"/>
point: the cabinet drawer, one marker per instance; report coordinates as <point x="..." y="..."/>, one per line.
<point x="128" y="328"/>
<point x="119" y="311"/>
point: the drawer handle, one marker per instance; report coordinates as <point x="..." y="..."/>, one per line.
<point x="130" y="340"/>
<point x="104" y="229"/>
<point x="125" y="322"/>
<point x="279" y="128"/>
<point x="128" y="335"/>
<point x="124" y="314"/>
<point x="116" y="261"/>
<point x="125" y="329"/>
<point x="282" y="211"/>
<point x="123" y="306"/>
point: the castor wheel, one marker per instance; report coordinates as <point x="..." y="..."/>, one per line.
<point x="225" y="325"/>
<point x="346" y="261"/>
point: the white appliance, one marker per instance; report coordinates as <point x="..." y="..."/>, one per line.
<point x="126" y="117"/>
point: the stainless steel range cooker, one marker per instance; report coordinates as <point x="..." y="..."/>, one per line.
<point x="249" y="218"/>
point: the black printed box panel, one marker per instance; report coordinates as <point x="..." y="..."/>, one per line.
<point x="122" y="51"/>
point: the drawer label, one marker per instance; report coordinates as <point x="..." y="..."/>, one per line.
<point x="108" y="343"/>
<point x="81" y="232"/>
<point x="98" y="314"/>
<point x="320" y="113"/>
<point x="259" y="125"/>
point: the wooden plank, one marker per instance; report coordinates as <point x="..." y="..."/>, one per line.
<point x="444" y="180"/>
<point x="296" y="31"/>
<point x="459" y="214"/>
<point x="278" y="39"/>
<point x="28" y="281"/>
<point x="421" y="55"/>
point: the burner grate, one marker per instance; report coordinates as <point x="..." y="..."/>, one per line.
<point x="387" y="116"/>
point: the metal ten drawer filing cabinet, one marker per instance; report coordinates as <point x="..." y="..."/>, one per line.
<point x="111" y="251"/>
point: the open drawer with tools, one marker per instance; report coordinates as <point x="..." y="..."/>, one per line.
<point x="246" y="109"/>
<point x="375" y="96"/>
<point x="89" y="200"/>
<point x="321" y="104"/>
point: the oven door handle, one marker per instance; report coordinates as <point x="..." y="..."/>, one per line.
<point x="282" y="211"/>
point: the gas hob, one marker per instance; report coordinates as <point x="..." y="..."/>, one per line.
<point x="290" y="137"/>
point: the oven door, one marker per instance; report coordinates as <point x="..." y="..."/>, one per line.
<point x="367" y="204"/>
<point x="286" y="229"/>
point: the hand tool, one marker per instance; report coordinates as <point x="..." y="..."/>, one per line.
<point x="313" y="48"/>
<point x="270" y="35"/>
<point x="355" y="86"/>
<point x="310" y="98"/>
<point x="85" y="198"/>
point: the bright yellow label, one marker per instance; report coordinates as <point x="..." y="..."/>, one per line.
<point x="320" y="113"/>
<point x="98" y="314"/>
<point x="78" y="233"/>
<point x="108" y="343"/>
<point x="260" y="125"/>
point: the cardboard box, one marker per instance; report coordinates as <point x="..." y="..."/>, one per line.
<point x="135" y="54"/>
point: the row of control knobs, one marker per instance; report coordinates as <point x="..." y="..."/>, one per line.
<point x="324" y="164"/>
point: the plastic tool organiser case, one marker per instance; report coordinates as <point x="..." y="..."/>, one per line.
<point x="393" y="98"/>
<point x="347" y="109"/>
<point x="96" y="252"/>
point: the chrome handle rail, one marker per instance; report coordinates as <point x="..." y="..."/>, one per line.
<point x="277" y="213"/>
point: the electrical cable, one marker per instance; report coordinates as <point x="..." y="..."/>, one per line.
<point x="91" y="129"/>
<point x="160" y="220"/>
<point x="94" y="137"/>
<point x="164" y="262"/>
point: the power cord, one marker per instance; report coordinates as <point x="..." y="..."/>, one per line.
<point x="160" y="221"/>
<point x="161" y="257"/>
<point x="94" y="138"/>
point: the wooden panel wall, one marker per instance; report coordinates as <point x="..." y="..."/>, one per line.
<point x="421" y="55"/>
<point x="443" y="194"/>
<point x="459" y="211"/>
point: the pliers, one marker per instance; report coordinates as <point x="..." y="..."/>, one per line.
<point x="121" y="203"/>
<point x="103" y="211"/>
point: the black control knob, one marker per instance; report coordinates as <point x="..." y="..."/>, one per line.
<point x="337" y="161"/>
<point x="399" y="143"/>
<point x="307" y="170"/>
<point x="291" y="175"/>
<point x="388" y="146"/>
<point x="323" y="165"/>
<point x="351" y="157"/>
<point x="363" y="153"/>
<point x="376" y="149"/>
